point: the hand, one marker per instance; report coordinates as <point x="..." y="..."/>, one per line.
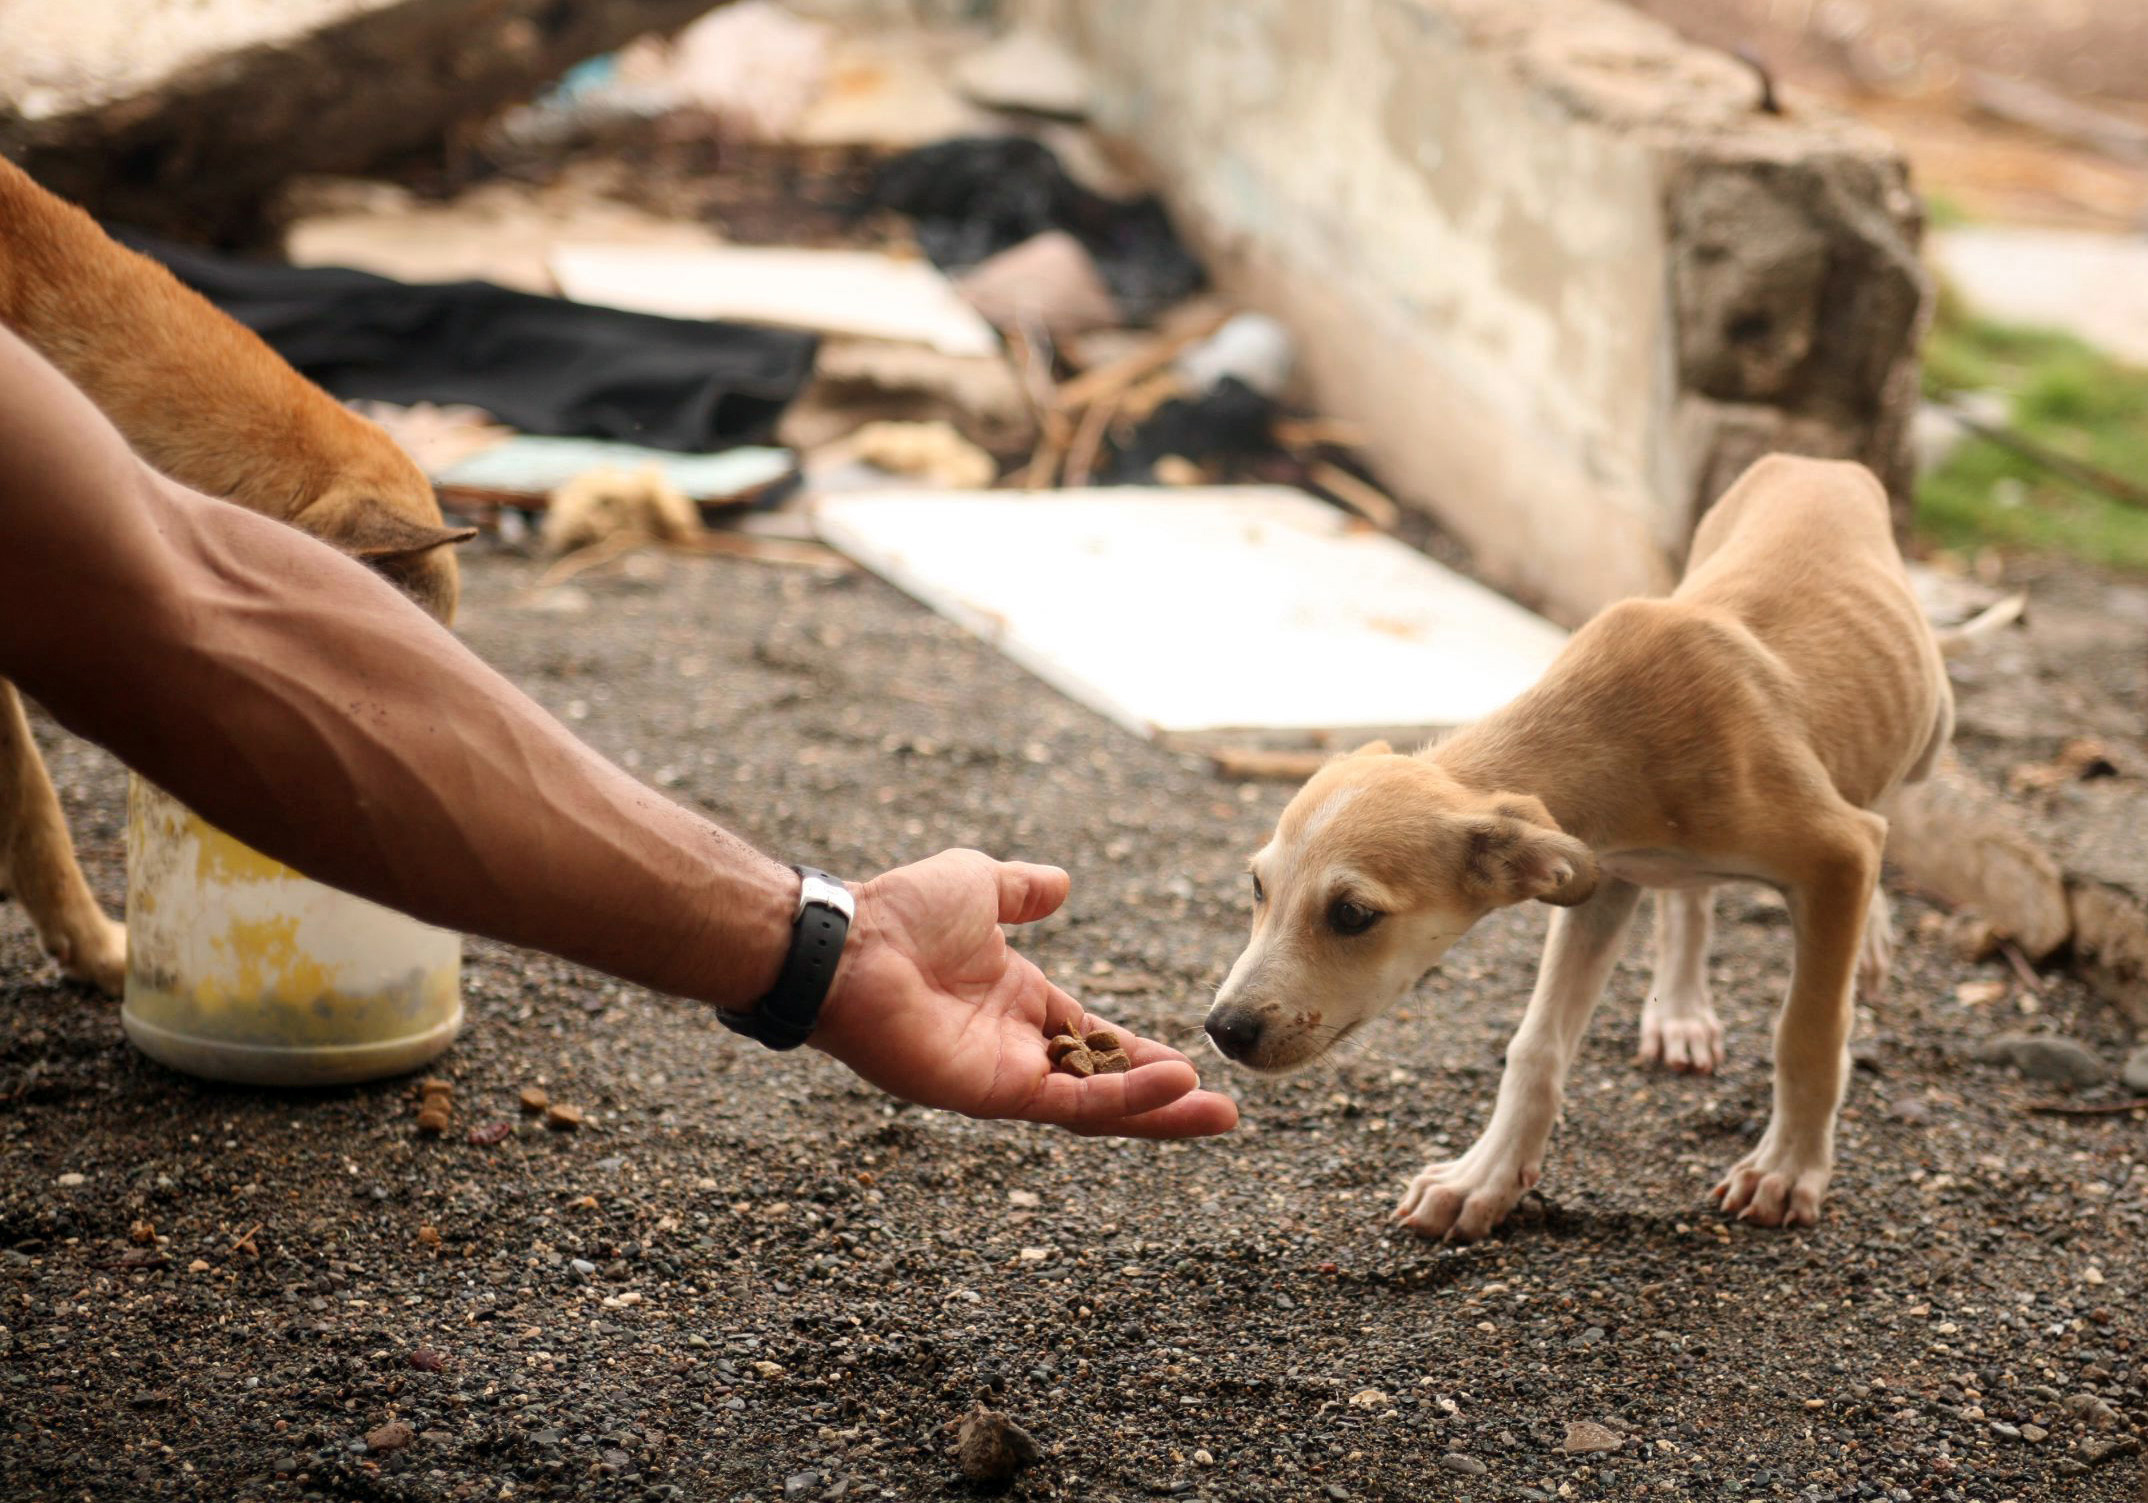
<point x="933" y="1006"/>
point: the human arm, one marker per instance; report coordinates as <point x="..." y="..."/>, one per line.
<point x="295" y="700"/>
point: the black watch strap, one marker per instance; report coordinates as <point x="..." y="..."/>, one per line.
<point x="787" y="1015"/>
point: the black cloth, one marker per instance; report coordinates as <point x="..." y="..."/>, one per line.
<point x="538" y="364"/>
<point x="974" y="196"/>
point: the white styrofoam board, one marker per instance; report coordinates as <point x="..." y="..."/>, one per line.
<point x="829" y="291"/>
<point x="1175" y="611"/>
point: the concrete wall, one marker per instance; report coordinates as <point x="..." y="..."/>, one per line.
<point x="1556" y="259"/>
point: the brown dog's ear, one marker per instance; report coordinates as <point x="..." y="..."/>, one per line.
<point x="378" y="534"/>
<point x="383" y="537"/>
<point x="1520" y="853"/>
<point x="1374" y="749"/>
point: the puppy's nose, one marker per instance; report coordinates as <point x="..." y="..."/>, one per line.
<point x="1236" y="1032"/>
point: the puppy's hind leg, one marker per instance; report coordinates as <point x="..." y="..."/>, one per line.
<point x="1875" y="952"/>
<point x="37" y="862"/>
<point x="1781" y="1181"/>
<point x="1678" y="1022"/>
<point x="1465" y="1198"/>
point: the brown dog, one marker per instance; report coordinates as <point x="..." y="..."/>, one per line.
<point x="207" y="403"/>
<point x="1745" y="729"/>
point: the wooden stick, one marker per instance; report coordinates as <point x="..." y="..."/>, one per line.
<point x="1368" y="501"/>
<point x="2100" y="1109"/>
<point x="1088" y="439"/>
<point x="1257" y="762"/>
<point x="1127" y="369"/>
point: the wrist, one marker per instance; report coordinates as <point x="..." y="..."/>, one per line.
<point x="789" y="1012"/>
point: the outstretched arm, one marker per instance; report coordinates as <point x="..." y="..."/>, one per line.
<point x="297" y="701"/>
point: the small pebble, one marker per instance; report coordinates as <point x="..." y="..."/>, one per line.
<point x="991" y="1447"/>
<point x="426" y="1360"/>
<point x="1584" y="1437"/>
<point x="392" y="1436"/>
<point x="1468" y="1466"/>
<point x="69" y="1181"/>
<point x="801" y="1484"/>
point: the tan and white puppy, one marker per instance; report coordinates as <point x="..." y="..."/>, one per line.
<point x="1744" y="729"/>
<point x="206" y="402"/>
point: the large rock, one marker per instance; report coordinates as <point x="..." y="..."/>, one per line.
<point x="185" y="118"/>
<point x="1562" y="266"/>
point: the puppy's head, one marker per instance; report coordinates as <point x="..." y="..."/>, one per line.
<point x="1378" y="866"/>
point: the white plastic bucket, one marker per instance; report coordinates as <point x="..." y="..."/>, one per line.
<point x="240" y="969"/>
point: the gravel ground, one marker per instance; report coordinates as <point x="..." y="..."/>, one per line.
<point x="749" y="1277"/>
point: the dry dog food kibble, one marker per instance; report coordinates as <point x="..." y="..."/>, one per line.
<point x="436" y="1104"/>
<point x="562" y="1118"/>
<point x="1098" y="1053"/>
<point x="534" y="1099"/>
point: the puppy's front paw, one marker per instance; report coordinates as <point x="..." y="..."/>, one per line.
<point x="1463" y="1199"/>
<point x="1683" y="1038"/>
<point x="1776" y="1186"/>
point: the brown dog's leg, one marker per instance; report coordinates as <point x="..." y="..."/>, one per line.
<point x="1782" y="1181"/>
<point x="37" y="861"/>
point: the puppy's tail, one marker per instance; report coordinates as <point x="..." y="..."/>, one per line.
<point x="1990" y="621"/>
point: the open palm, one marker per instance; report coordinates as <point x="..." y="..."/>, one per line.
<point x="933" y="1005"/>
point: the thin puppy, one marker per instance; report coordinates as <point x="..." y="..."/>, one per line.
<point x="1745" y="729"/>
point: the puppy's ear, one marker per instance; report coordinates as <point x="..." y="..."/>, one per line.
<point x="1374" y="749"/>
<point x="1520" y="853"/>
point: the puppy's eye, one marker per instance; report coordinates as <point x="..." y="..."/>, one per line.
<point x="1260" y="894"/>
<point x="1346" y="917"/>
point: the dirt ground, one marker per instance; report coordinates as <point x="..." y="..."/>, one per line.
<point x="750" y="1277"/>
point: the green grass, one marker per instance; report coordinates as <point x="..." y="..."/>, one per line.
<point x="2067" y="397"/>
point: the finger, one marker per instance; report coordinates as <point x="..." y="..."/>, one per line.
<point x="1028" y="892"/>
<point x="1095" y="1100"/>
<point x="1197" y="1114"/>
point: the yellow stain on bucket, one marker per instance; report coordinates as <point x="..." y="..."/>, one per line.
<point x="239" y="968"/>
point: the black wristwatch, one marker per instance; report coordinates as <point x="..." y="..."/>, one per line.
<point x="785" y="1017"/>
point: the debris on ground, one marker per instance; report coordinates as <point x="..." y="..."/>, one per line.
<point x="393" y="1436"/>
<point x="604" y="504"/>
<point x="860" y="293"/>
<point x="537" y="364"/>
<point x="990" y="1447"/>
<point x="1049" y="281"/>
<point x="561" y="1117"/>
<point x="930" y="452"/>
<point x="533" y="1100"/>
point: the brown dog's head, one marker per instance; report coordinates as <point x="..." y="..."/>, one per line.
<point x="381" y="510"/>
<point x="1376" y="868"/>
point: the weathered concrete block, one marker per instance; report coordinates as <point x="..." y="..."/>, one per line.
<point x="185" y="116"/>
<point x="1558" y="261"/>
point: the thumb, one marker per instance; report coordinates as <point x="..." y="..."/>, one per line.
<point x="1028" y="893"/>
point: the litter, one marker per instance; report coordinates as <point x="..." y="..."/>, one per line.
<point x="752" y="65"/>
<point x="1185" y="612"/>
<point x="498" y="232"/>
<point x="1026" y="71"/>
<point x="1050" y="281"/>
<point x="932" y="452"/>
<point x="828" y="291"/>
<point x="538" y="364"/>
<point x="1252" y="347"/>
<point x="1223" y="431"/>
<point x="626" y="504"/>
<point x="858" y="381"/>
<point x="975" y="196"/>
<point x="521" y="468"/>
